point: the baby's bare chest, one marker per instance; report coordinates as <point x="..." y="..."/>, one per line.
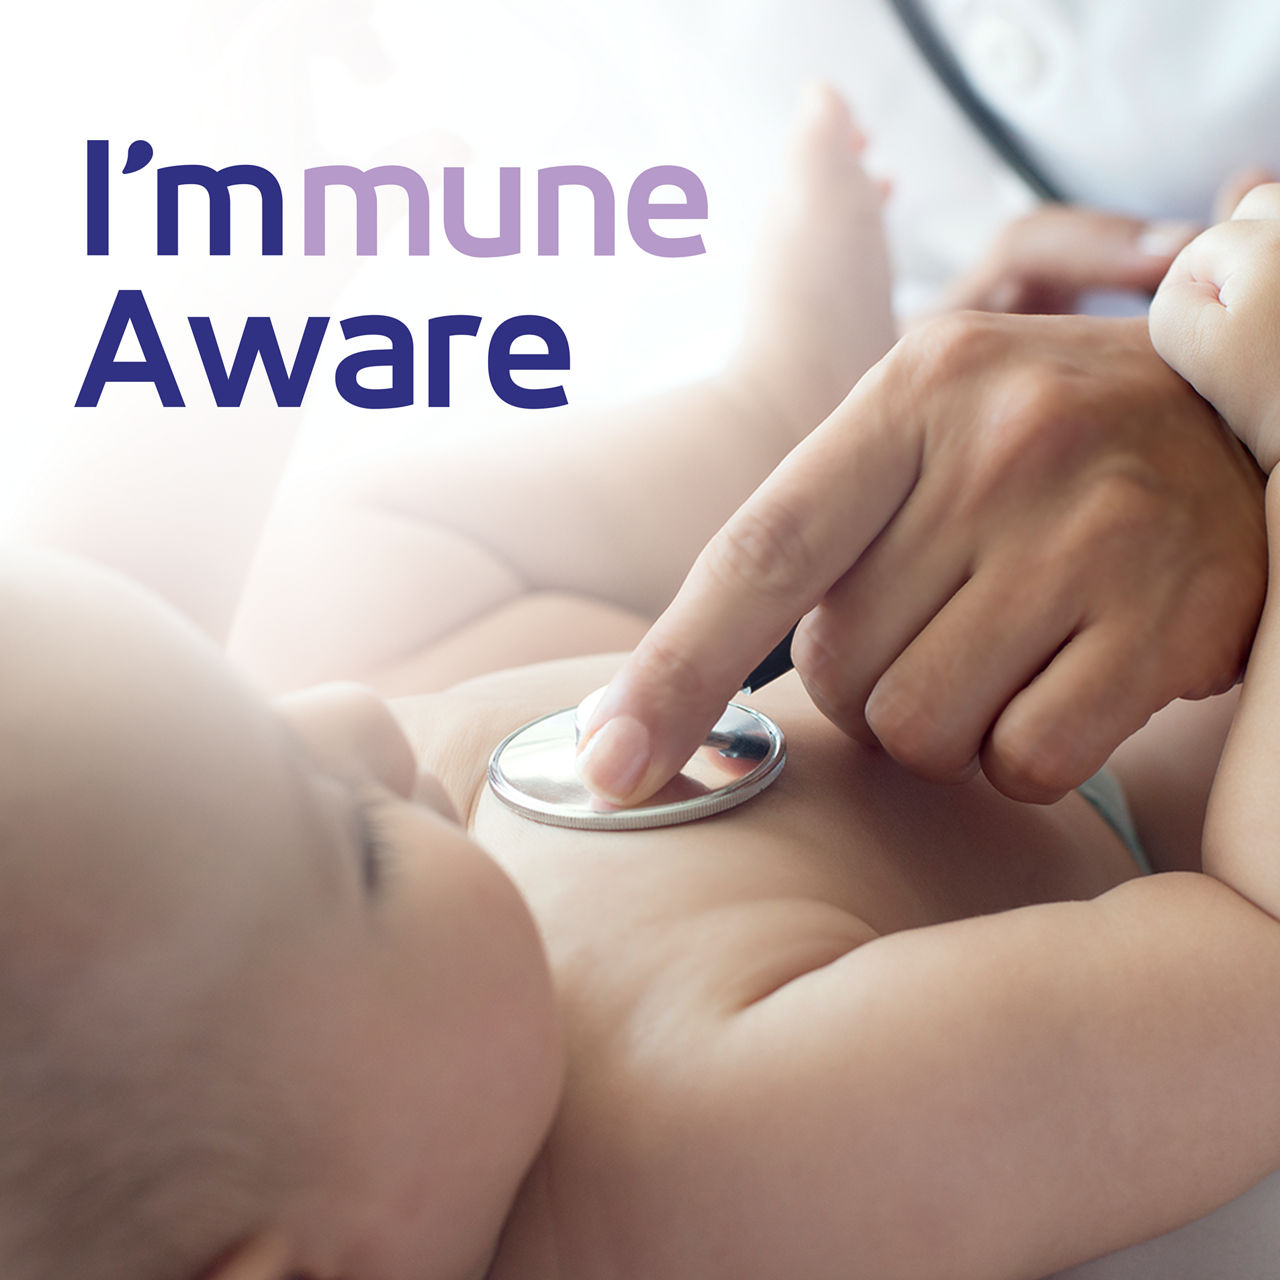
<point x="659" y="939"/>
<point x="843" y="831"/>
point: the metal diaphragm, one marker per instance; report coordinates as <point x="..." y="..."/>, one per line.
<point x="533" y="770"/>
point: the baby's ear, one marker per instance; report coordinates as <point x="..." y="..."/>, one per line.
<point x="266" y="1255"/>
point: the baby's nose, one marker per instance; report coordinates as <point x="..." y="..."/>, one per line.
<point x="349" y="728"/>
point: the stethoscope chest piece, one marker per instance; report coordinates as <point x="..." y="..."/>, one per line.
<point x="533" y="771"/>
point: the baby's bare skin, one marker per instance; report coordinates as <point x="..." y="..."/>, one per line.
<point x="667" y="945"/>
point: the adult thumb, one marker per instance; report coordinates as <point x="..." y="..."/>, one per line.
<point x="1069" y="246"/>
<point x="1237" y="186"/>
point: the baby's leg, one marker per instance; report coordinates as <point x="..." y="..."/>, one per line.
<point x="822" y="306"/>
<point x="480" y="549"/>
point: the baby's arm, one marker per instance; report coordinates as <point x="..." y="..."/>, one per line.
<point x="1013" y="1094"/>
<point x="1008" y="1095"/>
<point x="479" y="549"/>
<point x="1216" y="320"/>
<point x="1002" y="1096"/>
<point x="177" y="505"/>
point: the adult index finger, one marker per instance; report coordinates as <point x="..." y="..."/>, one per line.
<point x="771" y="562"/>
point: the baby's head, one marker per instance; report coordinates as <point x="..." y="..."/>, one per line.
<point x="257" y="1010"/>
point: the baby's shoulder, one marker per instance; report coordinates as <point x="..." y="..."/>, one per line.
<point x="648" y="1145"/>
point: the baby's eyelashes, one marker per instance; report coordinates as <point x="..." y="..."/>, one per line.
<point x="374" y="844"/>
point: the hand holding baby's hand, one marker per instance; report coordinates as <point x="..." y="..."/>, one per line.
<point x="1216" y="320"/>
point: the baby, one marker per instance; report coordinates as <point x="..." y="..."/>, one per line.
<point x="268" y="1010"/>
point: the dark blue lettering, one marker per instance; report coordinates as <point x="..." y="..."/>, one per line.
<point x="258" y="339"/>
<point x="96" y="206"/>
<point x="439" y="330"/>
<point x="129" y="308"/>
<point x="217" y="184"/>
<point x="502" y="360"/>
<point x="398" y="358"/>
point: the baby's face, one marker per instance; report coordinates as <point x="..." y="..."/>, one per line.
<point x="173" y="843"/>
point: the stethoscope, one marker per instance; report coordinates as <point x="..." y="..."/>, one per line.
<point x="533" y="770"/>
<point x="935" y="51"/>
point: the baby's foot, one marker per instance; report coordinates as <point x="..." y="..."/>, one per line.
<point x="820" y="313"/>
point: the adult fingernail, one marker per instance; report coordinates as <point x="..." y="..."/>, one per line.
<point x="1164" y="239"/>
<point x="615" y="758"/>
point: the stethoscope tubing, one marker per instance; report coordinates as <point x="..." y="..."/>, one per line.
<point x="944" y="64"/>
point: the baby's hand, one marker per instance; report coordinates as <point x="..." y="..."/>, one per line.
<point x="1216" y="320"/>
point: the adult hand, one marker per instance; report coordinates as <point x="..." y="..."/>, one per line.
<point x="1015" y="540"/>
<point x="1041" y="263"/>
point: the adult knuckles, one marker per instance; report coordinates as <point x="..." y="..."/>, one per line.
<point x="846" y="716"/>
<point x="1036" y="409"/>
<point x="1033" y="763"/>
<point x="1036" y="421"/>
<point x="1035" y="388"/>
<point x="913" y="728"/>
<point x="1029" y="453"/>
<point x="821" y="651"/>
<point x="944" y="347"/>
<point x="1123" y="507"/>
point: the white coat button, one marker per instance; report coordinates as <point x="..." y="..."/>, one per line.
<point x="1002" y="55"/>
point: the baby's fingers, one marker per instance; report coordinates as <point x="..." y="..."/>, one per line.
<point x="1216" y="320"/>
<point x="1187" y="311"/>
